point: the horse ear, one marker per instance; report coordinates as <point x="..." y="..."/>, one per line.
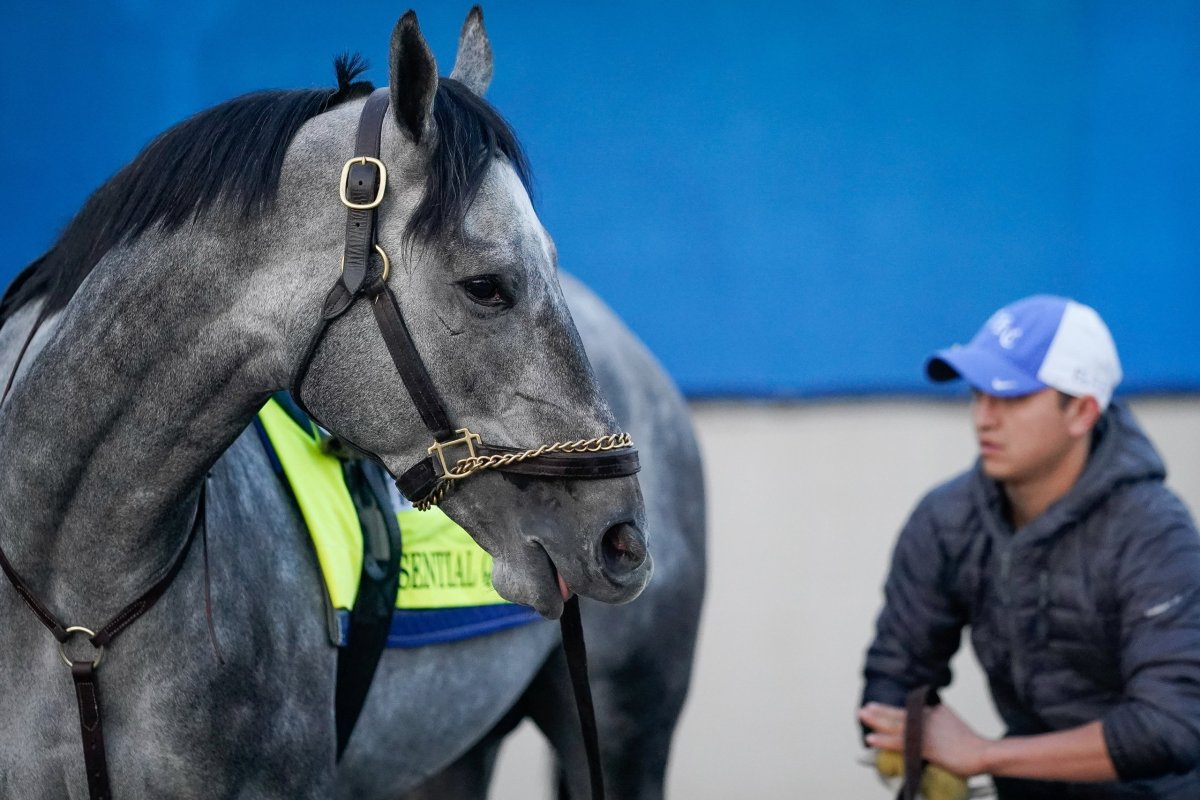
<point x="414" y="77"/>
<point x="473" y="64"/>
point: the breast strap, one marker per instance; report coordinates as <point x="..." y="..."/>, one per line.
<point x="84" y="673"/>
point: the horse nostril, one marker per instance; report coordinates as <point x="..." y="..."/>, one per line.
<point x="624" y="548"/>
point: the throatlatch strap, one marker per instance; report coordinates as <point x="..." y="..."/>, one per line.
<point x="573" y="645"/>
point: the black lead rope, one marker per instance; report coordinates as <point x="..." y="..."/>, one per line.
<point x="572" y="636"/>
<point x="914" y="739"/>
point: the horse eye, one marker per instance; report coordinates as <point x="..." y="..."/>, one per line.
<point x="485" y="290"/>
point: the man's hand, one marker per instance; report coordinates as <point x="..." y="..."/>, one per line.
<point x="949" y="743"/>
<point x="1078" y="754"/>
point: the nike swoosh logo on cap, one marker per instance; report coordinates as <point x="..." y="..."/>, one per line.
<point x="1002" y="385"/>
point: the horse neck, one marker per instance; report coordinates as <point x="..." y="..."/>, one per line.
<point x="149" y="377"/>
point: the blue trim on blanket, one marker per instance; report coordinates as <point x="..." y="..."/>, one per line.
<point x="418" y="628"/>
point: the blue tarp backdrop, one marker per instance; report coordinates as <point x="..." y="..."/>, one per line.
<point x="791" y="199"/>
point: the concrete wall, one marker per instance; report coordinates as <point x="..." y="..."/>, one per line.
<point x="799" y="547"/>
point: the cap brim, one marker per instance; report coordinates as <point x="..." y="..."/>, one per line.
<point x="983" y="370"/>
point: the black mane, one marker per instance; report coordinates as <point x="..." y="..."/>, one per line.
<point x="229" y="154"/>
<point x="232" y="154"/>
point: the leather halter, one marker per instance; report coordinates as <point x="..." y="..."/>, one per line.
<point x="363" y="186"/>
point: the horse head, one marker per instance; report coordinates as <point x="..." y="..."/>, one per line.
<point x="475" y="279"/>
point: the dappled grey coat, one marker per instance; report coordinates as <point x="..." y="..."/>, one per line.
<point x="1089" y="612"/>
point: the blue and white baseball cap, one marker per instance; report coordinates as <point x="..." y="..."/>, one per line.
<point x="1041" y="341"/>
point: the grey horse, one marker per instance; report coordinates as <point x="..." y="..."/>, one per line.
<point x="455" y="702"/>
<point x="97" y="496"/>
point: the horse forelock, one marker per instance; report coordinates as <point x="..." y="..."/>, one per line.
<point x="469" y="136"/>
<point x="230" y="155"/>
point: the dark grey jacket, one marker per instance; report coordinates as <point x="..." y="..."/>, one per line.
<point x="1090" y="612"/>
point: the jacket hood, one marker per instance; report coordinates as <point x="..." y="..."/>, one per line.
<point x="1121" y="454"/>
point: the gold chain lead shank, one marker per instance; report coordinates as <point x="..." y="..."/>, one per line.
<point x="473" y="463"/>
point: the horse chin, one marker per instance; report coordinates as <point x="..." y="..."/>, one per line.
<point x="586" y="536"/>
<point x="533" y="579"/>
<point x="530" y="579"/>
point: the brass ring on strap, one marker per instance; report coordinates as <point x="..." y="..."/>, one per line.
<point x="387" y="263"/>
<point x="62" y="646"/>
<point x="346" y="177"/>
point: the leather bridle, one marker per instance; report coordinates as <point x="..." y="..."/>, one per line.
<point x="362" y="190"/>
<point x="363" y="185"/>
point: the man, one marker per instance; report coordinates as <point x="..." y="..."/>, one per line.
<point x="1077" y="570"/>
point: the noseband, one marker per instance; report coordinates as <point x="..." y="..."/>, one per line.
<point x="425" y="484"/>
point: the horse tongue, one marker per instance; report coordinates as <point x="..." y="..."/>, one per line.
<point x="562" y="588"/>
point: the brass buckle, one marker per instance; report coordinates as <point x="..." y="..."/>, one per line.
<point x="62" y="647"/>
<point x="465" y="438"/>
<point x="387" y="263"/>
<point x="346" y="176"/>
